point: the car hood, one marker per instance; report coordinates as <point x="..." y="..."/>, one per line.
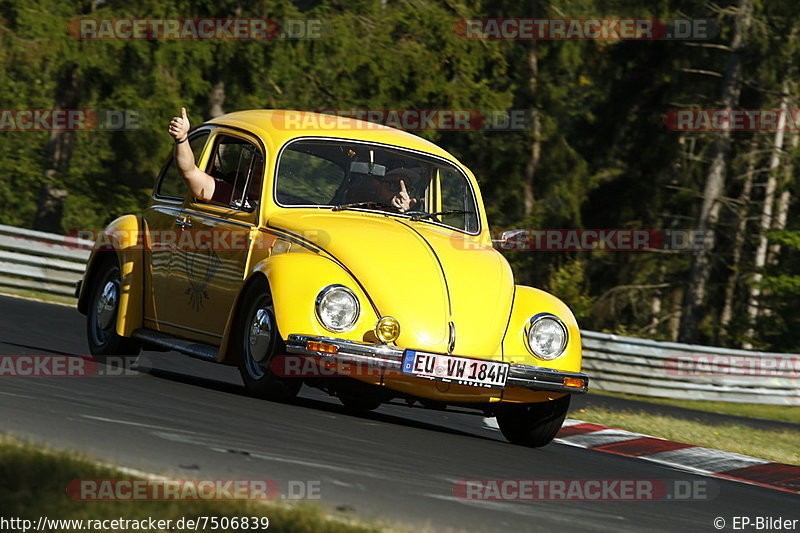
<point x="422" y="274"/>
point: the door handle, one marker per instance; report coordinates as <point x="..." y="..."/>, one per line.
<point x="183" y="222"/>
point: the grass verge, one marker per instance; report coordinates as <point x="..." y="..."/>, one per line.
<point x="782" y="446"/>
<point x="783" y="413"/>
<point x="34" y="484"/>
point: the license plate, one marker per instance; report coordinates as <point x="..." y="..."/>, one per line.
<point x="454" y="369"/>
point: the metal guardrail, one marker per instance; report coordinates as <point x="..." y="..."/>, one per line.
<point x="41" y="262"/>
<point x="689" y="371"/>
<point x="53" y="263"/>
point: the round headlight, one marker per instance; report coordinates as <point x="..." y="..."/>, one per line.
<point x="547" y="336"/>
<point x="337" y="308"/>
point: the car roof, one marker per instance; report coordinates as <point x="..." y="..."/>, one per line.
<point x="276" y="127"/>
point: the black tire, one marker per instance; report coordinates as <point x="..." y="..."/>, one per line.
<point x="256" y="346"/>
<point x="105" y="345"/>
<point x="359" y="404"/>
<point x="359" y="397"/>
<point x="534" y="424"/>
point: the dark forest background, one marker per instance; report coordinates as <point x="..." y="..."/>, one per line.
<point x="597" y="153"/>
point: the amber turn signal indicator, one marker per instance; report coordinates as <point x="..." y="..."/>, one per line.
<point x="573" y="382"/>
<point x="322" y="347"/>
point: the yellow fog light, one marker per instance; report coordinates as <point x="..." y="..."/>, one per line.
<point x="387" y="329"/>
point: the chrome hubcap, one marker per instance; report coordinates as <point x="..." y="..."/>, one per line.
<point x="260" y="338"/>
<point x="107" y="305"/>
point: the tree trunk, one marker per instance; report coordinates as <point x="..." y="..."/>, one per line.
<point x="786" y="196"/>
<point x="533" y="163"/>
<point x="536" y="126"/>
<point x="738" y="241"/>
<point x="696" y="291"/>
<point x="216" y="100"/>
<point x="655" y="304"/>
<point x="675" y="313"/>
<point x="766" y="219"/>
<point x="58" y="153"/>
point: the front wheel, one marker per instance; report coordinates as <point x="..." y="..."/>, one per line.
<point x="359" y="405"/>
<point x="257" y="341"/>
<point x="101" y="318"/>
<point x="534" y="424"/>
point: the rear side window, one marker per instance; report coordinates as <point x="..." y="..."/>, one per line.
<point x="238" y="169"/>
<point x="170" y="184"/>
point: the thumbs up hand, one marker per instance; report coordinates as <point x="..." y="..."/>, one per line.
<point x="179" y="126"/>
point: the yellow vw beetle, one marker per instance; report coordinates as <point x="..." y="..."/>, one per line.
<point x="335" y="244"/>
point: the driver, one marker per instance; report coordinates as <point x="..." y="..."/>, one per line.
<point x="391" y="189"/>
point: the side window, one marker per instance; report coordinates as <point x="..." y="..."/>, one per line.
<point x="238" y="169"/>
<point x="457" y="197"/>
<point x="171" y="184"/>
<point x="306" y="179"/>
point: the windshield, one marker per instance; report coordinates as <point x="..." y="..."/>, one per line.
<point x="352" y="175"/>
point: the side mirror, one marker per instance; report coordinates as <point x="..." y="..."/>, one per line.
<point x="507" y="236"/>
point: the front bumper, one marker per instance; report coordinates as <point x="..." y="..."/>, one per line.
<point x="390" y="358"/>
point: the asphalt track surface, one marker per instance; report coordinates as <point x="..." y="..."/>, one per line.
<point x="183" y="417"/>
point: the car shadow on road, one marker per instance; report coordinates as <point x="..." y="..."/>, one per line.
<point x="331" y="406"/>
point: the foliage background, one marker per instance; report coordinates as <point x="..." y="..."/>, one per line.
<point x="604" y="158"/>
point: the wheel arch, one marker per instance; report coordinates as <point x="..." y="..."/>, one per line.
<point x="227" y="353"/>
<point x="529" y="301"/>
<point x="294" y="280"/>
<point x="122" y="239"/>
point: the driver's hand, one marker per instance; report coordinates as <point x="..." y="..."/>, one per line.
<point x="179" y="126"/>
<point x="402" y="200"/>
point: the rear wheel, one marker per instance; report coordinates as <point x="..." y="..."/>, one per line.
<point x="257" y="341"/>
<point x="534" y="424"/>
<point x="101" y="318"/>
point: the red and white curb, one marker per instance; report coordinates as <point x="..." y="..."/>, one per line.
<point x="696" y="459"/>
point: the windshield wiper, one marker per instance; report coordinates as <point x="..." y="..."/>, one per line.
<point x="439" y="213"/>
<point x="372" y="205"/>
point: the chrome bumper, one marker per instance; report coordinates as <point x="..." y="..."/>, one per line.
<point x="390" y="358"/>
